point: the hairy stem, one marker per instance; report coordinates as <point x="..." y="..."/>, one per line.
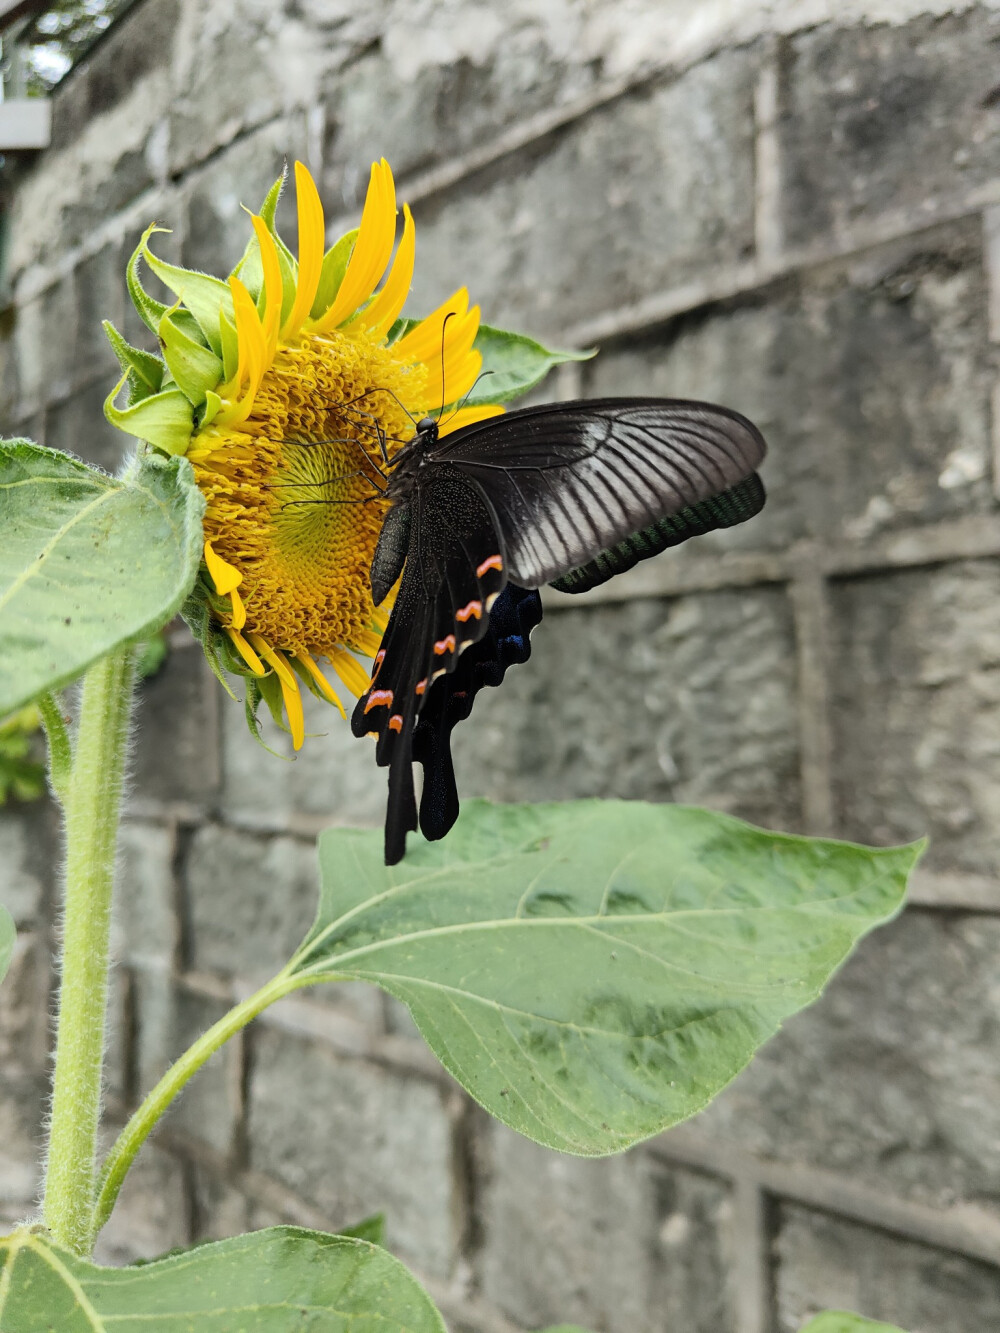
<point x="91" y="795"/>
<point x="135" y="1133"/>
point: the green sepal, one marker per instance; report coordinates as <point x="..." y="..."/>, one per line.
<point x="150" y="310"/>
<point x="203" y="295"/>
<point x="212" y="408"/>
<point x="163" y="419"/>
<point x="197" y="614"/>
<point x="512" y="365"/>
<point x="331" y="275"/>
<point x="371" y="1229"/>
<point x="195" y="368"/>
<point x="230" y="342"/>
<point x="144" y="370"/>
<point x="270" y="691"/>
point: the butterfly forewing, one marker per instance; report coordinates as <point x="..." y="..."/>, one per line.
<point x="568" y="481"/>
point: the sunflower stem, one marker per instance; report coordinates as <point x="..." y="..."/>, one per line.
<point x="142" y="1122"/>
<point x="60" y="751"/>
<point x="90" y="790"/>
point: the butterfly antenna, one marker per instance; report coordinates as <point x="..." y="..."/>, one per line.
<point x="465" y="397"/>
<point x="444" y="325"/>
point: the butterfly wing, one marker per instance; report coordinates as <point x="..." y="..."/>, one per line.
<point x="583" y="490"/>
<point x="449" y="701"/>
<point x="453" y="574"/>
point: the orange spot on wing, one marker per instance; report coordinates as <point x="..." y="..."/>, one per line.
<point x="379" y="659"/>
<point x="421" y="685"/>
<point x="494" y="562"/>
<point x="445" y="645"/>
<point x="396" y="722"/>
<point x="378" y="699"/>
<point x="473" y="609"/>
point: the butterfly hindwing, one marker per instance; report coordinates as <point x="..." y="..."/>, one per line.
<point x="453" y="572"/>
<point x="570" y="481"/>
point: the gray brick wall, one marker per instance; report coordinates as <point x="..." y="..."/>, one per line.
<point x="795" y="212"/>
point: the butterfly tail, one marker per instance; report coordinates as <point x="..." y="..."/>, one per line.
<point x="401" y="813"/>
<point x="514" y="614"/>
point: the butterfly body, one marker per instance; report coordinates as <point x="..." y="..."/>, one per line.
<point x="569" y="493"/>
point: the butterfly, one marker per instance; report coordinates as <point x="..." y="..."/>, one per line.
<point x="569" y="494"/>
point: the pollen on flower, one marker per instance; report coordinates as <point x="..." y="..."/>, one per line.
<point x="293" y="491"/>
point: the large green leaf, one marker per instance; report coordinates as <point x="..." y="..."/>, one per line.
<point x="273" y="1281"/>
<point x="841" y="1321"/>
<point x="87" y="563"/>
<point x="515" y="363"/>
<point x="594" y="972"/>
<point x="8" y="937"/>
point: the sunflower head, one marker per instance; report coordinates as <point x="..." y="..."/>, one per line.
<point x="289" y="386"/>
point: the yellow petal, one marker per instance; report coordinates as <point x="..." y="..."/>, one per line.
<point x="468" y="416"/>
<point x="273" y="287"/>
<point x="350" y="671"/>
<point x="239" y="612"/>
<point x="324" y="685"/>
<point x="366" y="641"/>
<point x="246" y="652"/>
<point x="372" y="250"/>
<point x="225" y="576"/>
<point x="311" y="241"/>
<point x="425" y="340"/>
<point x="252" y="358"/>
<point x="386" y="308"/>
<point x="289" y="688"/>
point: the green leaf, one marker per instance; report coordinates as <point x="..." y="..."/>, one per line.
<point x="517" y="363"/>
<point x="595" y="972"/>
<point x="87" y="562"/>
<point x="8" y="936"/>
<point x="841" y="1321"/>
<point x="281" y="1280"/>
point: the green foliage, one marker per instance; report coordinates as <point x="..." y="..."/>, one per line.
<point x="273" y="1281"/>
<point x="516" y="364"/>
<point x="8" y="936"/>
<point x="595" y="972"/>
<point x="22" y="777"/>
<point x="88" y="563"/>
<point x="842" y="1321"/>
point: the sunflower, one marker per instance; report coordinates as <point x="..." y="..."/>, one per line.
<point x="290" y="387"/>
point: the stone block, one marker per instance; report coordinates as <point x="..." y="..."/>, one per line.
<point x="169" y="1019"/>
<point x="422" y="96"/>
<point x="145" y="927"/>
<point x="249" y="900"/>
<point x="227" y="87"/>
<point x="78" y="426"/>
<point x="892" y="1077"/>
<point x="626" y="1245"/>
<point x="869" y="380"/>
<point x="29" y="853"/>
<point x="691" y="699"/>
<point x="885" y="118"/>
<point x="137" y="46"/>
<point x="642" y="193"/>
<point x="353" y="1139"/>
<point x="220" y="1209"/>
<point x="24" y="1028"/>
<point x="152" y="1214"/>
<point x="826" y="1263"/>
<point x="916" y="714"/>
<point x="333" y="776"/>
<point x="100" y="293"/>
<point x="178" y="755"/>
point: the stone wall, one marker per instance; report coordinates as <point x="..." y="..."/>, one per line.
<point x="792" y="209"/>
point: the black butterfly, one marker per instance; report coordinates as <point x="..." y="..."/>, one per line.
<point x="568" y="494"/>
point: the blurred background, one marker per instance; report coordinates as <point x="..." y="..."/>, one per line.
<point x="792" y="209"/>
